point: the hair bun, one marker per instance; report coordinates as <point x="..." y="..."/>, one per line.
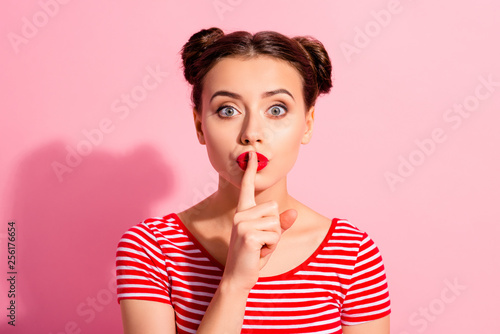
<point x="195" y="47"/>
<point x="320" y="62"/>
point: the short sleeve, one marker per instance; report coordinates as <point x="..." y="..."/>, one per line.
<point x="368" y="295"/>
<point x="140" y="266"/>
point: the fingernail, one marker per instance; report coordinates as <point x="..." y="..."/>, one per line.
<point x="250" y="154"/>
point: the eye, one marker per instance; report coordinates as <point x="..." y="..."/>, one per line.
<point x="278" y="110"/>
<point x="226" y="111"/>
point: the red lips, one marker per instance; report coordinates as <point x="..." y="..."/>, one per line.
<point x="243" y="161"/>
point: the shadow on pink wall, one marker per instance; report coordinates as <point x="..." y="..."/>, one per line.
<point x="67" y="233"/>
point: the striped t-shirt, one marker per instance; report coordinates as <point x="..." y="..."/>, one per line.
<point x="342" y="283"/>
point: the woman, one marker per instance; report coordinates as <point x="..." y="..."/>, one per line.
<point x="250" y="258"/>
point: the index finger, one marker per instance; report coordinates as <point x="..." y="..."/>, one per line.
<point x="247" y="190"/>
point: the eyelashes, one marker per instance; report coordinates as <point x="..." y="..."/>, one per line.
<point x="228" y="111"/>
<point x="279" y="107"/>
<point x="221" y="109"/>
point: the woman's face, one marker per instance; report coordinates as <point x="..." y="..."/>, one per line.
<point x="253" y="104"/>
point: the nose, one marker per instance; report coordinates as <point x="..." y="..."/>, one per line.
<point x="253" y="129"/>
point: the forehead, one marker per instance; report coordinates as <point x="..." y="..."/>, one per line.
<point x="249" y="76"/>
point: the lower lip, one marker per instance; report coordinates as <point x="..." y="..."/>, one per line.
<point x="243" y="161"/>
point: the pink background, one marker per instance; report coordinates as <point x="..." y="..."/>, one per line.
<point x="392" y="107"/>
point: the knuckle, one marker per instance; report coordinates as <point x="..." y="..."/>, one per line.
<point x="278" y="228"/>
<point x="274" y="222"/>
<point x="239" y="217"/>
<point x="240" y="227"/>
<point x="273" y="239"/>
<point x="273" y="205"/>
<point x="249" y="238"/>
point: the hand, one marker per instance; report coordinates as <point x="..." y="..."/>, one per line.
<point x="256" y="232"/>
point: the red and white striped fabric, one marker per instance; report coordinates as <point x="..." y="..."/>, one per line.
<point x="342" y="283"/>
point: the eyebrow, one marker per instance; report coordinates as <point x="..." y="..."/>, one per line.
<point x="264" y="95"/>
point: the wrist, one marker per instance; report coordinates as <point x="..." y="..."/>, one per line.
<point x="226" y="311"/>
<point x="229" y="286"/>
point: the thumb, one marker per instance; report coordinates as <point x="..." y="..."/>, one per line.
<point x="287" y="218"/>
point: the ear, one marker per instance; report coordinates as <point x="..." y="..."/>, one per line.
<point x="309" y="126"/>
<point x="197" y="125"/>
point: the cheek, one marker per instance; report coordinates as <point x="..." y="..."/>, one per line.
<point x="220" y="144"/>
<point x="288" y="137"/>
<point x="216" y="145"/>
<point x="287" y="145"/>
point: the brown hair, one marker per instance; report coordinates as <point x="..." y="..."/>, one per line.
<point x="308" y="55"/>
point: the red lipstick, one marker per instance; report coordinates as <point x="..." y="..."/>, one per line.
<point x="243" y="161"/>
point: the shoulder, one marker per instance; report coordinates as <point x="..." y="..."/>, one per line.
<point x="154" y="230"/>
<point x="367" y="295"/>
<point x="345" y="230"/>
<point x="365" y="260"/>
<point x="337" y="230"/>
<point x="347" y="237"/>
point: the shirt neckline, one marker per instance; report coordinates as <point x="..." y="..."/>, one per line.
<point x="264" y="278"/>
